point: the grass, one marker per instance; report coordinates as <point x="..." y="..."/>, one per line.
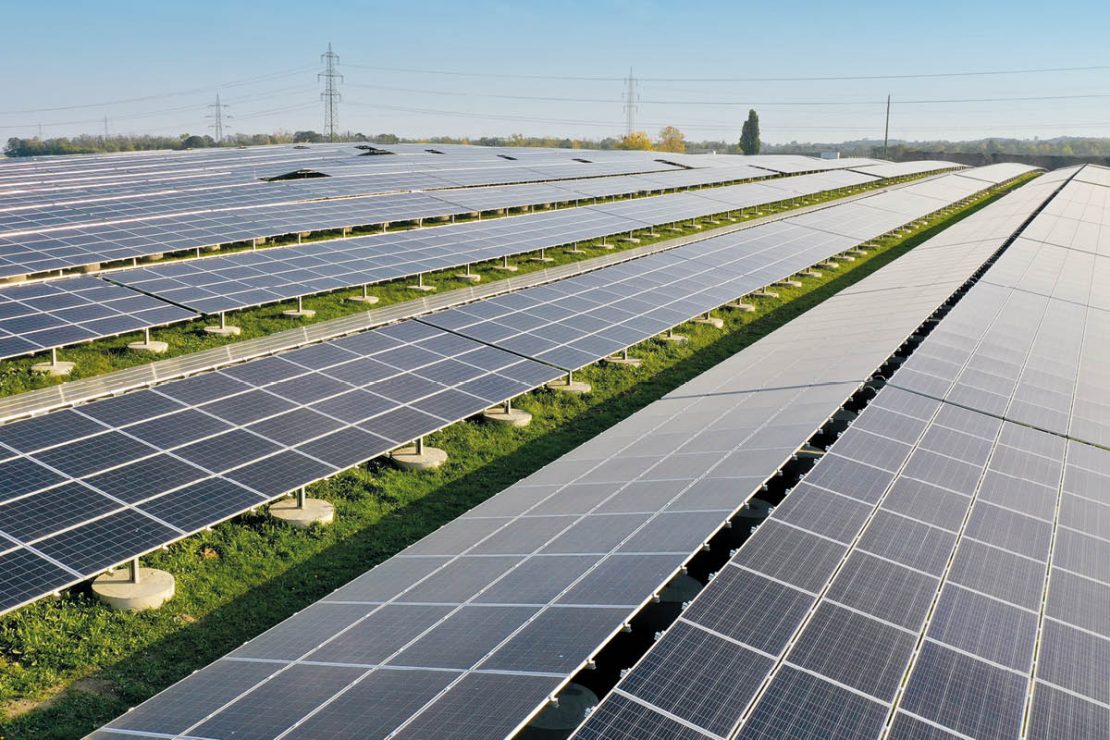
<point x="68" y="664"/>
<point x="107" y="355"/>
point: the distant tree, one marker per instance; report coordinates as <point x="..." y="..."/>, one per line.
<point x="671" y="140"/>
<point x="386" y="139"/>
<point x="635" y="140"/>
<point x="307" y="137"/>
<point x="749" y="134"/>
<point x="192" y="141"/>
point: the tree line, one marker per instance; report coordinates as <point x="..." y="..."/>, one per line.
<point x="669" y="139"/>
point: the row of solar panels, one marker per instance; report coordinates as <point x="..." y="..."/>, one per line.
<point x="85" y="488"/>
<point x="945" y="569"/>
<point x="57" y="313"/>
<point x="470" y="631"/>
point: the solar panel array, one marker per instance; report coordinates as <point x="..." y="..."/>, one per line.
<point x="249" y="279"/>
<point x="64" y="449"/>
<point x="469" y="631"/>
<point x="583" y="319"/>
<point x="58" y="215"/>
<point x="941" y="572"/>
<point x="203" y="224"/>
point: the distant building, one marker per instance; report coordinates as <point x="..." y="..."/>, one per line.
<point x="829" y="155"/>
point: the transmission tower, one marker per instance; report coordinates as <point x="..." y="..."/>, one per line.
<point x="217" y="115"/>
<point x="631" y="98"/>
<point x="330" y="96"/>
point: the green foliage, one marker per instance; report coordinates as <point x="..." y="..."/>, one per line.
<point x="308" y="137"/>
<point x="749" y="134"/>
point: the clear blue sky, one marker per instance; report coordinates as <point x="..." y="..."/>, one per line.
<point x="91" y="59"/>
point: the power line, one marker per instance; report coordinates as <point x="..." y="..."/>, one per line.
<point x="820" y="78"/>
<point x="330" y="96"/>
<point x="741" y="103"/>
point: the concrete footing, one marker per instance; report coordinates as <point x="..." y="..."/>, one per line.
<point x="299" y="313"/>
<point x="713" y="321"/>
<point x="223" y="331"/>
<point x="314" y="511"/>
<point x="422" y="458"/>
<point x="576" y="250"/>
<point x="507" y="268"/>
<point x="56" y="369"/>
<point x="810" y="273"/>
<point x="631" y="240"/>
<point x="542" y="259"/>
<point x="509" y="417"/>
<point x="93" y="267"/>
<point x="120" y="591"/>
<point x="623" y="360"/>
<point x="570" y="386"/>
<point x="846" y="258"/>
<point x="676" y="338"/>
<point x="789" y="284"/>
<point x="423" y="288"/>
<point x="152" y="346"/>
<point x="830" y="265"/>
<point x="765" y="294"/>
<point x="745" y="307"/>
<point x="369" y="300"/>
<point x="470" y="277"/>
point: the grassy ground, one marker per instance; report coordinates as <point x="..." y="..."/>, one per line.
<point x="107" y="355"/>
<point x="68" y="664"/>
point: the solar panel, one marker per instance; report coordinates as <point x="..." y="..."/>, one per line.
<point x="43" y="316"/>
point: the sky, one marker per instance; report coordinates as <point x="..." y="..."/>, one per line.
<point x="558" y="68"/>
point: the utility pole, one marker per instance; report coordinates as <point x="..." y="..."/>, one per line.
<point x="105" y="125"/>
<point x="217" y="116"/>
<point x="631" y="97"/>
<point x="330" y="96"/>
<point x="886" y="130"/>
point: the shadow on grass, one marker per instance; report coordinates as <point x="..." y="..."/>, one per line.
<point x="151" y="669"/>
